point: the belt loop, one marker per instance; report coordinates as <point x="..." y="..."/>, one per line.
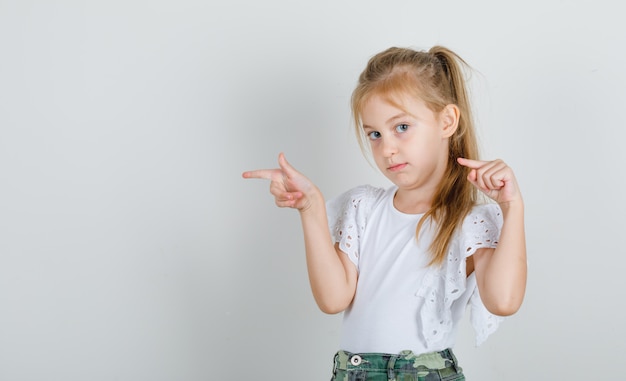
<point x="391" y="375"/>
<point x="452" y="357"/>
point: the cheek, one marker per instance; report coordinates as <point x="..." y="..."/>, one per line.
<point x="376" y="154"/>
<point x="374" y="146"/>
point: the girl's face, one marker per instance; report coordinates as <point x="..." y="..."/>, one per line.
<point x="410" y="145"/>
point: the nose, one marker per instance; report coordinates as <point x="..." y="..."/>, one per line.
<point x="389" y="147"/>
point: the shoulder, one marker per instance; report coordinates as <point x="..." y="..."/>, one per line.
<point x="365" y="191"/>
<point x="358" y="197"/>
<point x="353" y="207"/>
<point x="348" y="215"/>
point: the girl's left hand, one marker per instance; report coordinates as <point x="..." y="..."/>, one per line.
<point x="494" y="178"/>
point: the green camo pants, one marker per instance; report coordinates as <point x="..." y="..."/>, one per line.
<point x="406" y="366"/>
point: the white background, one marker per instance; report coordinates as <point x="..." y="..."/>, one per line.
<point x="132" y="249"/>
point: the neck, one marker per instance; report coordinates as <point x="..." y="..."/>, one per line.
<point x="413" y="201"/>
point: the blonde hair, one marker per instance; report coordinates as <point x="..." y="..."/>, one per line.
<point x="435" y="77"/>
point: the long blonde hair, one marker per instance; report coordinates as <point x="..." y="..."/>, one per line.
<point x="435" y="77"/>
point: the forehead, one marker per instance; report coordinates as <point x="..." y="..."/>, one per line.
<point x="381" y="107"/>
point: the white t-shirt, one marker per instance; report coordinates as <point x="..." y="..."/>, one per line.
<point x="401" y="302"/>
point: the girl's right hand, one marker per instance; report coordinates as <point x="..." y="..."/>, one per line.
<point x="290" y="188"/>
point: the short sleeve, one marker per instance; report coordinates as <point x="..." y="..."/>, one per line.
<point x="481" y="228"/>
<point x="347" y="217"/>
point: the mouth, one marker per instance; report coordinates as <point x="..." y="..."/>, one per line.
<point x="396" y="167"/>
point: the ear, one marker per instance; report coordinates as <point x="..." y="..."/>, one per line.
<point x="449" y="118"/>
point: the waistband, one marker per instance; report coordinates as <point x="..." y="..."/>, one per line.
<point x="405" y="360"/>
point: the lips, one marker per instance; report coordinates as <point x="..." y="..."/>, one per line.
<point x="397" y="167"/>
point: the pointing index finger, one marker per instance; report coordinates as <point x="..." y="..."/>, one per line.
<point x="473" y="164"/>
<point x="260" y="174"/>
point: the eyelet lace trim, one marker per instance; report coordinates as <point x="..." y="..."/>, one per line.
<point x="347" y="216"/>
<point x="444" y="285"/>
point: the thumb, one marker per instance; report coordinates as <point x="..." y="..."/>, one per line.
<point x="285" y="166"/>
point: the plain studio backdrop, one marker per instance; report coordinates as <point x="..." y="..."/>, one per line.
<point x="132" y="249"/>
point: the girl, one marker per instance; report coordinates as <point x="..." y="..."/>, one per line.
<point x="403" y="263"/>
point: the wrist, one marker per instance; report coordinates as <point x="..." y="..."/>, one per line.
<point x="314" y="199"/>
<point x="513" y="206"/>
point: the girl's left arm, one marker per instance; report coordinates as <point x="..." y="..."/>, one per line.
<point x="501" y="272"/>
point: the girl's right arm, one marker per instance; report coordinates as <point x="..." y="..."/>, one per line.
<point x="332" y="275"/>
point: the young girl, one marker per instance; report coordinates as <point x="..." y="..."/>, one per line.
<point x="403" y="263"/>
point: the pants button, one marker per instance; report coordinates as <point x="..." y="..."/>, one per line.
<point x="356" y="360"/>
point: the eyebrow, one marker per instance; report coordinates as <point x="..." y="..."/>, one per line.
<point x="398" y="116"/>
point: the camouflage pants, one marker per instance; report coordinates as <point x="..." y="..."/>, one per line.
<point x="406" y="366"/>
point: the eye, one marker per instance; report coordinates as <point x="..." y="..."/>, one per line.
<point x="374" y="135"/>
<point x="402" y="127"/>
